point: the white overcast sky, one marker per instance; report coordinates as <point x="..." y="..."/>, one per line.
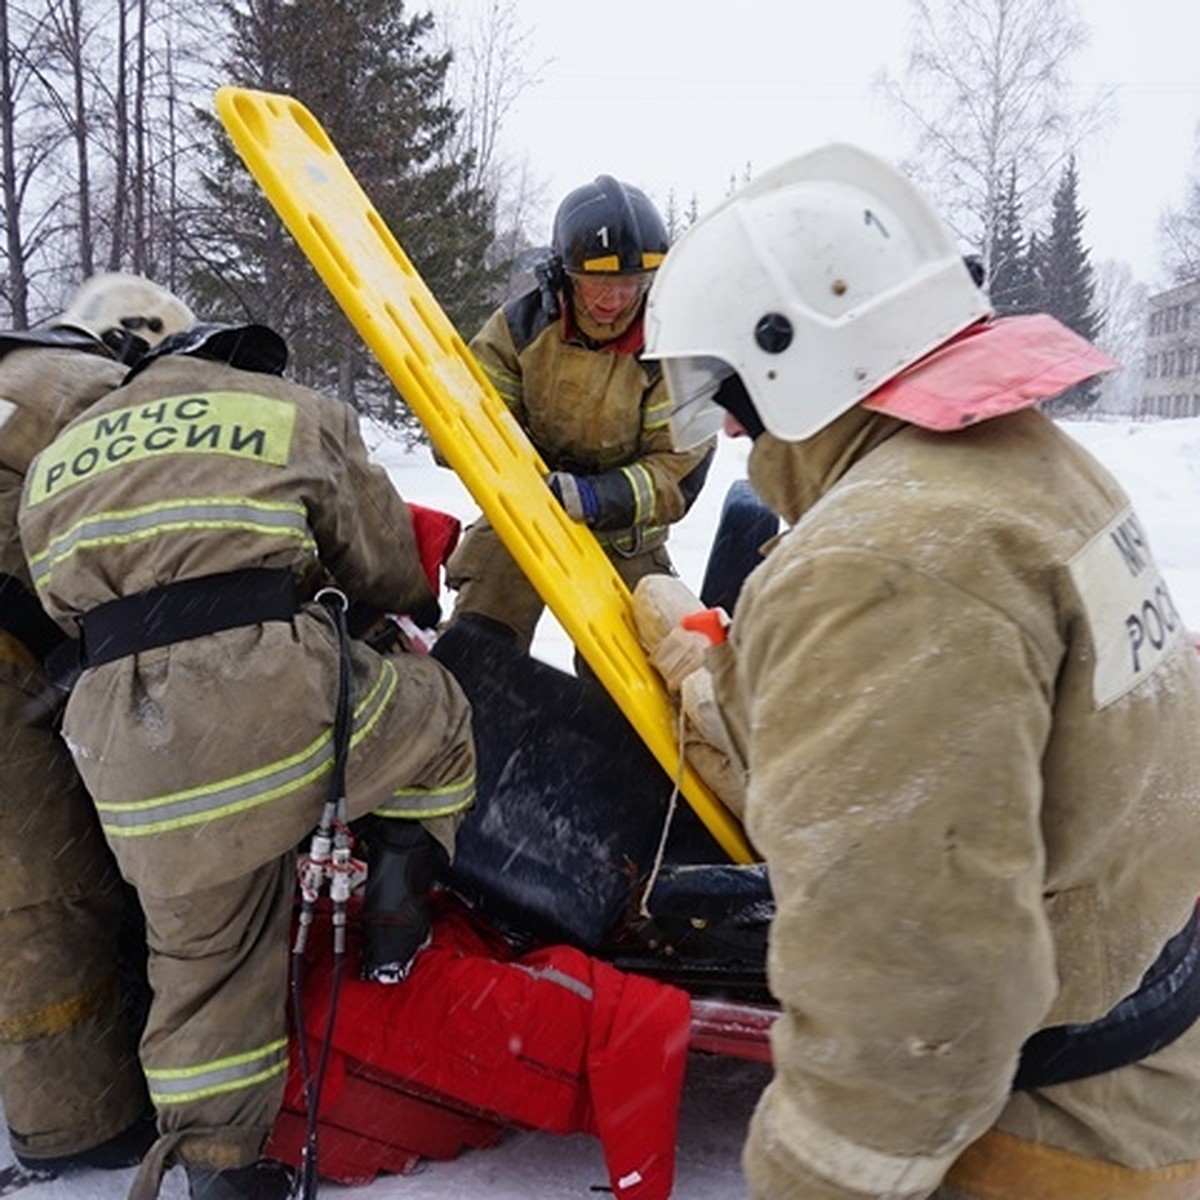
<point x="681" y="94"/>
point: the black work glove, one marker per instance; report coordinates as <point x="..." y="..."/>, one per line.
<point x="605" y="501"/>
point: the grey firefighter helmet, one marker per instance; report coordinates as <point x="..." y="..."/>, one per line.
<point x="246" y="347"/>
<point x="128" y="314"/>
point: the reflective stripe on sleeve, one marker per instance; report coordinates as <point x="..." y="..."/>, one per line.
<point x="641" y="483"/>
<point x="509" y="386"/>
<point x="657" y="416"/>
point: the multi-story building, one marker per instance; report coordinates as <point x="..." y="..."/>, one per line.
<point x="1171" y="380"/>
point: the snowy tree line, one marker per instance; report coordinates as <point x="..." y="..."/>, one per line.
<point x="987" y="94"/>
<point x="112" y="159"/>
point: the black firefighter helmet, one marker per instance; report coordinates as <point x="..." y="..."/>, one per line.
<point x="608" y="227"/>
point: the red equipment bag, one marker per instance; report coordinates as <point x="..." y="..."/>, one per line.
<point x="477" y="1039"/>
<point x="437" y="535"/>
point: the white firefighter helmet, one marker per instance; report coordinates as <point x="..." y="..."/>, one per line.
<point x="128" y="313"/>
<point x="816" y="283"/>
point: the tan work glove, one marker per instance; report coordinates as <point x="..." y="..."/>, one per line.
<point x="663" y="610"/>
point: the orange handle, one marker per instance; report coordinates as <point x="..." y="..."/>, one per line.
<point x="709" y="621"/>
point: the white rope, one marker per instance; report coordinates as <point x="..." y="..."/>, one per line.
<point x="643" y="911"/>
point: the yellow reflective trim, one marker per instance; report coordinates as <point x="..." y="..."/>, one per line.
<point x="607" y="262"/>
<point x="239" y="424"/>
<point x="461" y="792"/>
<point x="423" y="814"/>
<point x="508" y="387"/>
<point x="427" y="814"/>
<point x="446" y="788"/>
<point x="641" y="483"/>
<point x="125" y="526"/>
<point x="500" y="375"/>
<point x="651" y="260"/>
<point x="162" y="1099"/>
<point x="656" y="416"/>
<point x="43" y="580"/>
<point x="218" y="1066"/>
<point x="58" y="1018"/>
<point x="387" y="681"/>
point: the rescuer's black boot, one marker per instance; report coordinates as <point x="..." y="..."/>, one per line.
<point x="402" y="862"/>
<point x="262" y="1180"/>
<point x="124" y="1149"/>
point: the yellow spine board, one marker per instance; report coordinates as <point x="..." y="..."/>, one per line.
<point x="368" y="273"/>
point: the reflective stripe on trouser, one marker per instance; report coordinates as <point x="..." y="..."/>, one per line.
<point x="1002" y="1167"/>
<point x="272" y="782"/>
<point x="69" y="1073"/>
<point x="411" y="755"/>
<point x="489" y="582"/>
<point x="215" y="1047"/>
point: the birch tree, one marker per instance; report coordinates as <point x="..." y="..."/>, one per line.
<point x="1179" y="230"/>
<point x="986" y="91"/>
<point x="1122" y="302"/>
<point x="492" y="64"/>
<point x="30" y="136"/>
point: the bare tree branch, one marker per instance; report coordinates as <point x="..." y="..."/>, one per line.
<point x="1179" y="229"/>
<point x="986" y="90"/>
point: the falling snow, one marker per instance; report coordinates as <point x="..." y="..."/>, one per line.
<point x="1159" y="464"/>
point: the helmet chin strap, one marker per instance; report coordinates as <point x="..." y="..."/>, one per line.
<point x="732" y="396"/>
<point x="592" y="329"/>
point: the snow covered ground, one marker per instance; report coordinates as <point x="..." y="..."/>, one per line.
<point x="718" y="1098"/>
<point x="1158" y="463"/>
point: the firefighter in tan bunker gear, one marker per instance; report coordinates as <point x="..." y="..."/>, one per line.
<point x="565" y="358"/>
<point x="185" y="522"/>
<point x="72" y="1087"/>
<point x="966" y="711"/>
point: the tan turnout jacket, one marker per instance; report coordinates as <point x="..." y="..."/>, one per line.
<point x="211" y="756"/>
<point x="592" y="410"/>
<point x="69" y="1075"/>
<point x="971" y="720"/>
<point x="41" y="389"/>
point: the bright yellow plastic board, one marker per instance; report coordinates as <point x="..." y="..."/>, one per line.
<point x="363" y="265"/>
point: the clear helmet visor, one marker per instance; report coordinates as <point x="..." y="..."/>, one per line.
<point x="691" y="384"/>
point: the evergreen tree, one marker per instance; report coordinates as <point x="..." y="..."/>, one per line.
<point x="1066" y="279"/>
<point x="988" y="84"/>
<point x="364" y="69"/>
<point x="1033" y="273"/>
<point x="1013" y="282"/>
